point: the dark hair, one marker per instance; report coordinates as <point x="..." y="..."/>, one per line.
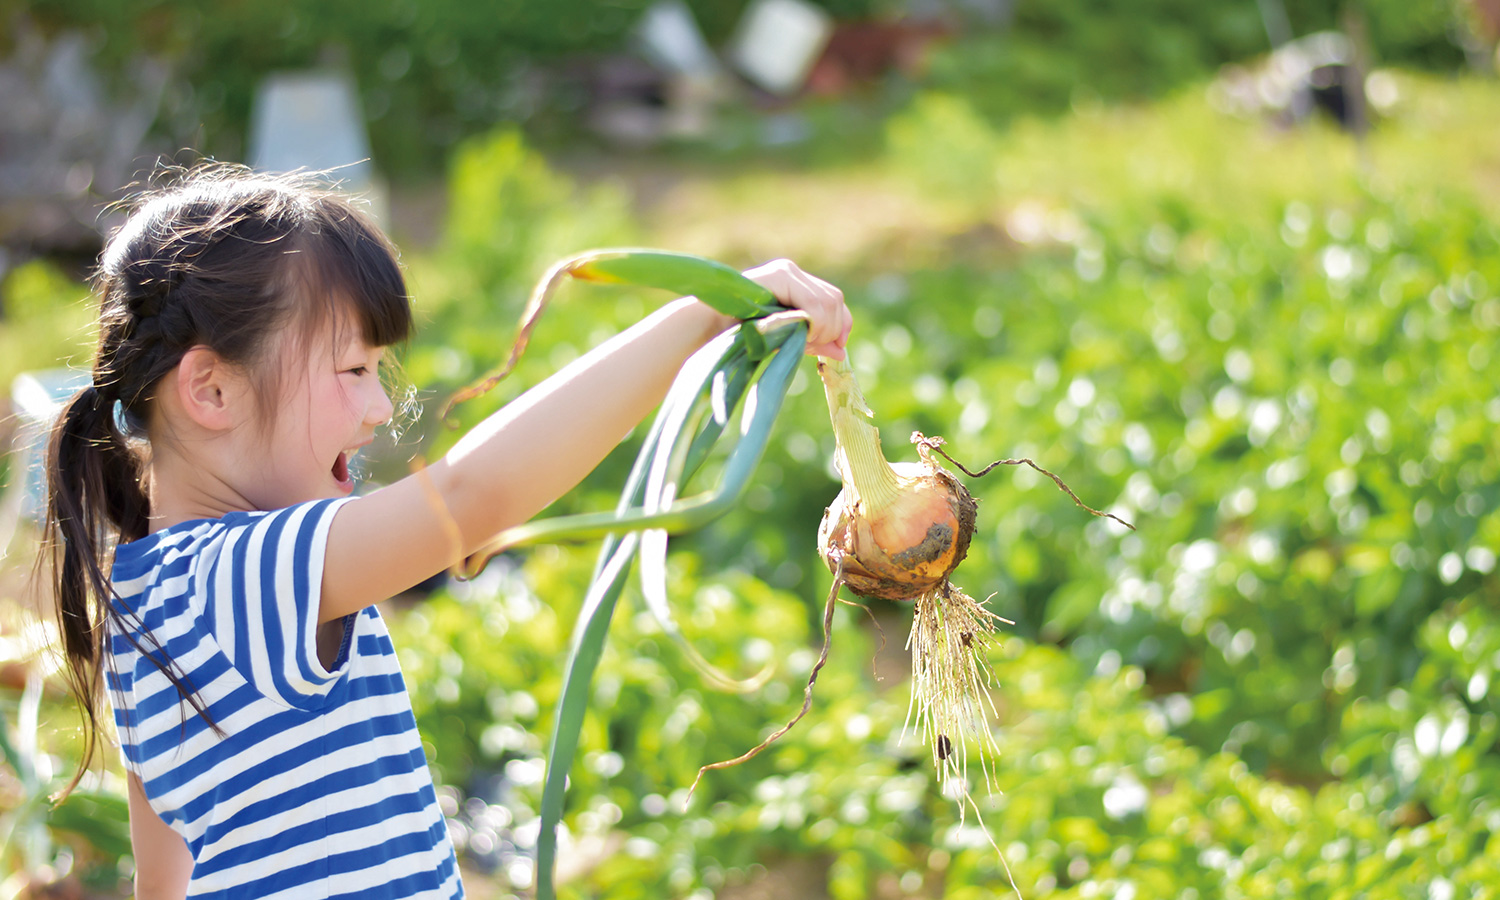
<point x="220" y="258"/>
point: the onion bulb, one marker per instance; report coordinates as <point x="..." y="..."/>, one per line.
<point x="900" y="529"/>
<point x="896" y="532"/>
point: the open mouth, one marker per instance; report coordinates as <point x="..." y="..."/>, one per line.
<point x="341" y="472"/>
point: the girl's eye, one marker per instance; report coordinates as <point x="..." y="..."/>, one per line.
<point x="359" y="371"/>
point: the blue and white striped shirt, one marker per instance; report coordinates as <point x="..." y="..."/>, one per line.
<point x="317" y="785"/>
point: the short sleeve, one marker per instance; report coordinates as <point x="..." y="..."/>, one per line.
<point x="265" y="587"/>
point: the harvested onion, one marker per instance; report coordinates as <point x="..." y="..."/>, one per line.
<point x="900" y="529"/>
<point x="896" y="532"/>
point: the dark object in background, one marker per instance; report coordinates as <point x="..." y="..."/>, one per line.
<point x="861" y="53"/>
<point x="1330" y="86"/>
<point x="1319" y="73"/>
<point x="66" y="146"/>
<point x="1487" y="16"/>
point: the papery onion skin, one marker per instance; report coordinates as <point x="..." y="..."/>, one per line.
<point x="910" y="547"/>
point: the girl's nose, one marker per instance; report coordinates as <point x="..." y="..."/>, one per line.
<point x="380" y="409"/>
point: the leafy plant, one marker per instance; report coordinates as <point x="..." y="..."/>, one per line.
<point x="41" y="842"/>
<point x="1281" y="678"/>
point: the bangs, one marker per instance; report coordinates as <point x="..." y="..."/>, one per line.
<point x="348" y="273"/>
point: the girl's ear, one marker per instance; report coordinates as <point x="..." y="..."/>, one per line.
<point x="211" y="391"/>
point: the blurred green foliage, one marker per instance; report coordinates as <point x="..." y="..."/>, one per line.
<point x="81" y="839"/>
<point x="1057" y="54"/>
<point x="432" y="72"/>
<point x="1272" y="351"/>
<point x="43" y="313"/>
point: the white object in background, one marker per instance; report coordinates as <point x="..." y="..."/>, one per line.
<point x="669" y="36"/>
<point x="777" y="42"/>
<point x="36" y="399"/>
<point x="312" y="121"/>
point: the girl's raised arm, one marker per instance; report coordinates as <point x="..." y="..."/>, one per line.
<point x="525" y="456"/>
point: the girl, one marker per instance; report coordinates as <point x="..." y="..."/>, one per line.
<point x="216" y="579"/>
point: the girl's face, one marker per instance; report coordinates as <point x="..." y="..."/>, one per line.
<point x="331" y="405"/>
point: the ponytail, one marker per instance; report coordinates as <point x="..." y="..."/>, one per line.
<point x="95" y="499"/>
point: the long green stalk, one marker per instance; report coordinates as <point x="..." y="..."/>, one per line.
<point x="763" y="402"/>
<point x="754" y="363"/>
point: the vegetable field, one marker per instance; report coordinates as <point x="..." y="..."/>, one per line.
<point x="1274" y="351"/>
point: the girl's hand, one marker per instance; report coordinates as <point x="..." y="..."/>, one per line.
<point x="829" y="320"/>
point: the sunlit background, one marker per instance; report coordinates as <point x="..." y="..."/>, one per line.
<point x="1231" y="269"/>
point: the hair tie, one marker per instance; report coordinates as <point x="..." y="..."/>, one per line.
<point x="103" y="400"/>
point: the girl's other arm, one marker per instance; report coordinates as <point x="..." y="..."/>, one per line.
<point x="163" y="864"/>
<point x="522" y="458"/>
